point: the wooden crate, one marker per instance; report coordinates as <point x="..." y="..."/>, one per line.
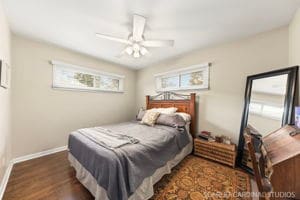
<point x="219" y="152"/>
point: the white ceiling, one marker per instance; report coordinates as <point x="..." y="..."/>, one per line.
<point x="193" y="24"/>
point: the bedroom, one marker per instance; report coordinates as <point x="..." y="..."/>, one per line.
<point x="44" y="43"/>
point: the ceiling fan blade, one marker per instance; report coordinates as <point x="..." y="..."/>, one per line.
<point x="157" y="43"/>
<point x="113" y="38"/>
<point x="144" y="51"/>
<point x="138" y="27"/>
<point x="122" y="54"/>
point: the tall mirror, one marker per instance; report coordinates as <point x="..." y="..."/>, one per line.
<point x="269" y="103"/>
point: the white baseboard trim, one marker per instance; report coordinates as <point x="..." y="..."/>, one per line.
<point x="22" y="159"/>
<point x="5" y="179"/>
<point x="39" y="154"/>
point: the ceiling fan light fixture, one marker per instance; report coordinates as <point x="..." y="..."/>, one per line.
<point x="129" y="50"/>
<point x="136" y="54"/>
<point x="136" y="47"/>
<point x="136" y="44"/>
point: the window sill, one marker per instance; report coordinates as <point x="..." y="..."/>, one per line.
<point x="85" y="90"/>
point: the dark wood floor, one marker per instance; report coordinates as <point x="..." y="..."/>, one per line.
<point x="49" y="177"/>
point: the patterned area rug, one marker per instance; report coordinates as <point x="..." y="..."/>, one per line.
<point x="196" y="179"/>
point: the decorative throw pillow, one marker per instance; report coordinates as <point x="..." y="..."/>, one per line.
<point x="140" y="114"/>
<point x="150" y="118"/>
<point x="172" y="120"/>
<point x="170" y="110"/>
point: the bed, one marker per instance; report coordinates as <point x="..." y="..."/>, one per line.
<point x="130" y="171"/>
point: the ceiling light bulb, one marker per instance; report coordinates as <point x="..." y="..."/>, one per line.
<point x="136" y="47"/>
<point x="143" y="51"/>
<point x="129" y="50"/>
<point x="136" y="54"/>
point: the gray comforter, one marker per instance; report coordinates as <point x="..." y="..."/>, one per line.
<point x="121" y="171"/>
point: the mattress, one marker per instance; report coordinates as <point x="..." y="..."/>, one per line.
<point x="144" y="191"/>
<point x="120" y="172"/>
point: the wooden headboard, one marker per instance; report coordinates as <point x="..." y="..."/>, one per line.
<point x="184" y="103"/>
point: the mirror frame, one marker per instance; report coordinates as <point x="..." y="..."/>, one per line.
<point x="289" y="103"/>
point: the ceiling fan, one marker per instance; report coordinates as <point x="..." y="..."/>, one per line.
<point x="136" y="43"/>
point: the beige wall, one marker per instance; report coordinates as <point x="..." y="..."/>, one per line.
<point x="294" y="40"/>
<point x="294" y="44"/>
<point x="5" y="146"/>
<point x="220" y="108"/>
<point x="43" y="117"/>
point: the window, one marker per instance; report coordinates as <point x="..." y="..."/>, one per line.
<point x="67" y="76"/>
<point x="266" y="110"/>
<point x="170" y="82"/>
<point x="191" y="78"/>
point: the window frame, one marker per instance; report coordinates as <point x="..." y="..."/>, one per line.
<point x="58" y="65"/>
<point x="204" y="68"/>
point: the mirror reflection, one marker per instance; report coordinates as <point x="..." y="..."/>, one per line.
<point x="266" y="106"/>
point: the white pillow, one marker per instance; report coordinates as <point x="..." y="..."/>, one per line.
<point x="170" y="110"/>
<point x="185" y="116"/>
